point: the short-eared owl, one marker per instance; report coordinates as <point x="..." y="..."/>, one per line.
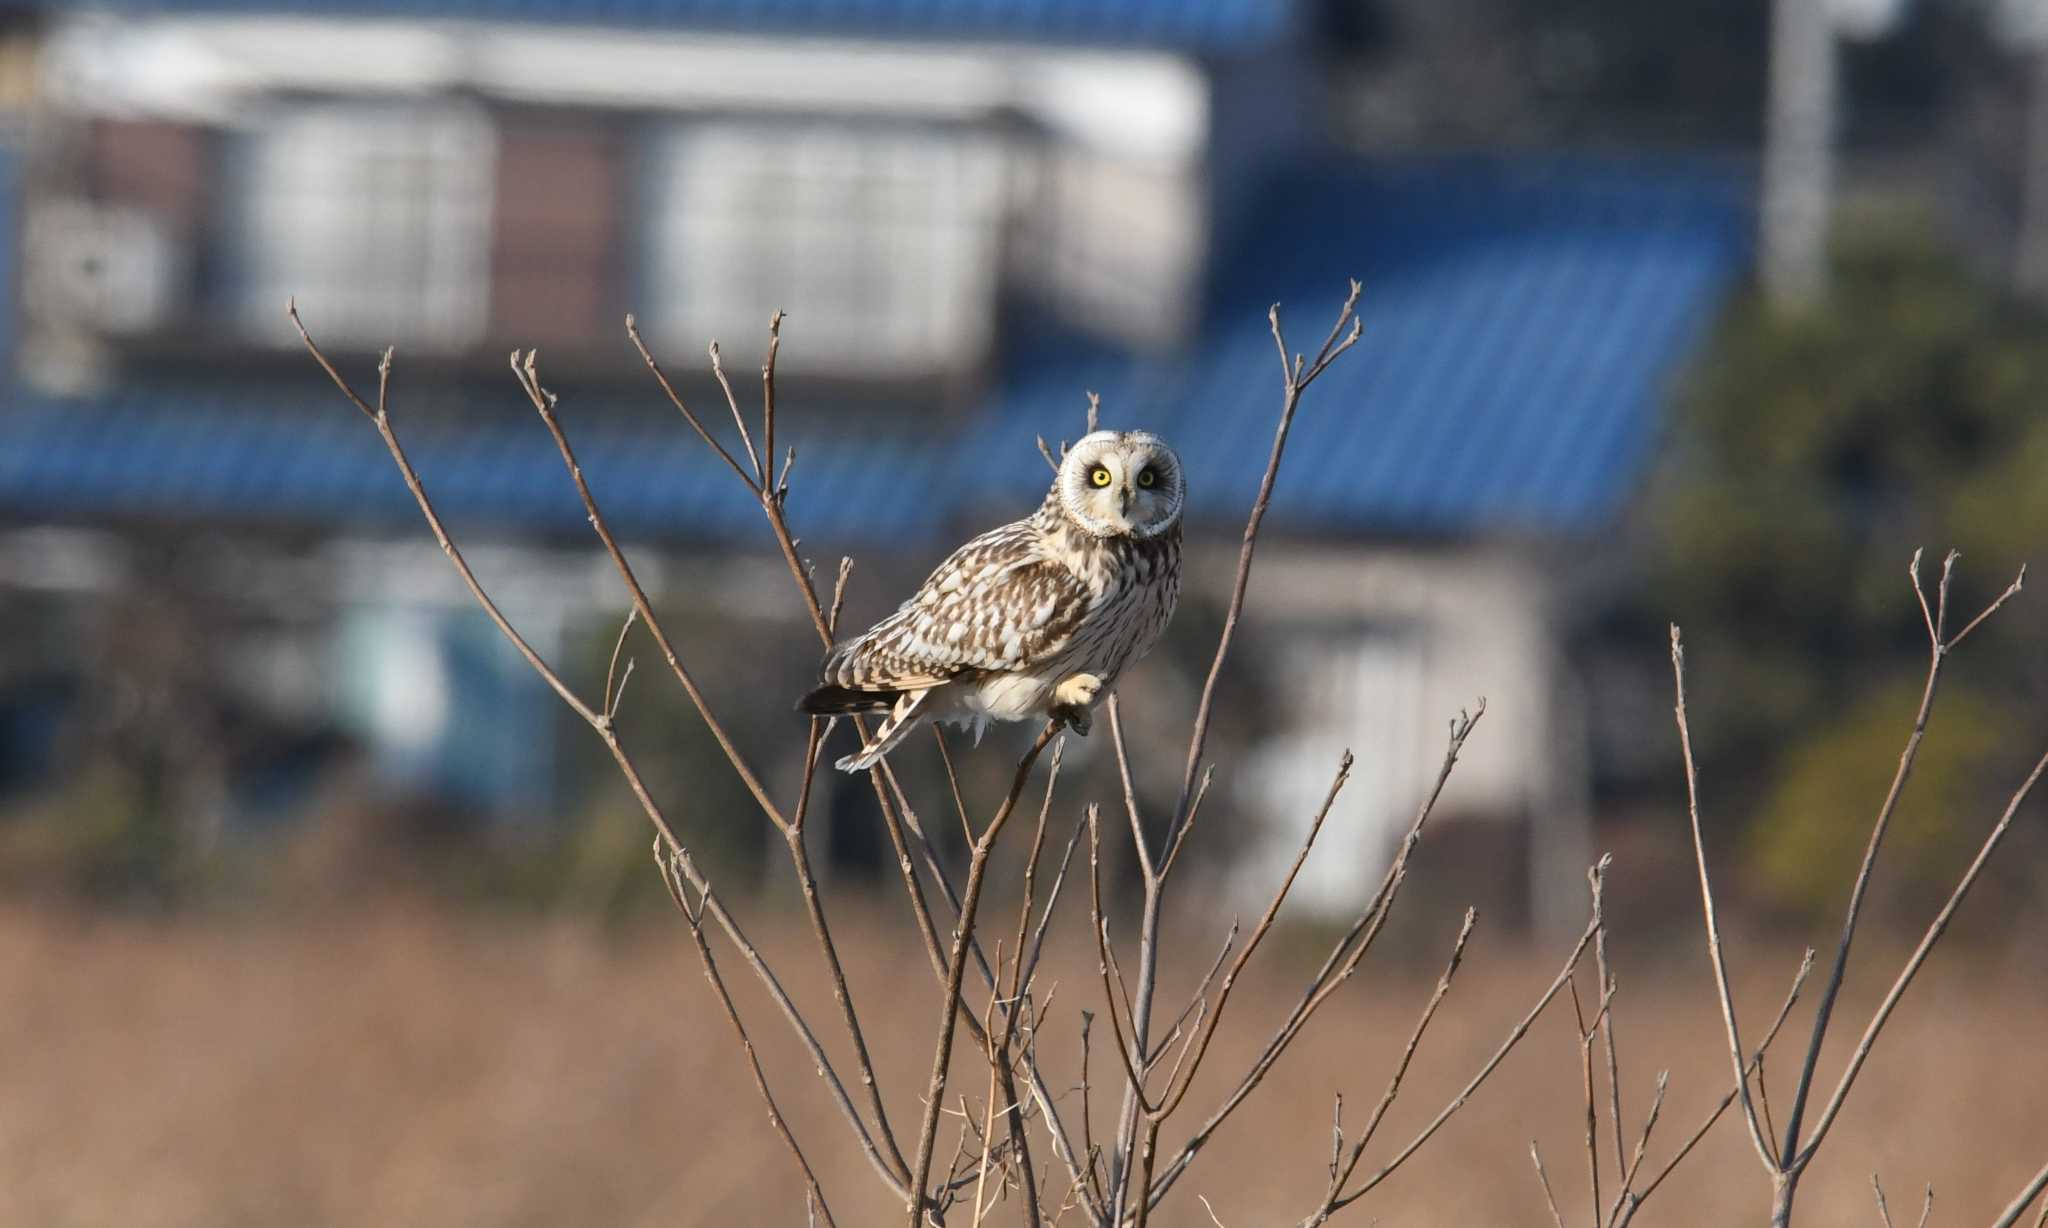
<point x="1033" y="619"/>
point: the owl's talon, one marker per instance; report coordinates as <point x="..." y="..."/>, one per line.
<point x="1079" y="691"/>
<point x="1072" y="700"/>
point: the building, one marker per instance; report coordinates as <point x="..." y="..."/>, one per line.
<point x="973" y="210"/>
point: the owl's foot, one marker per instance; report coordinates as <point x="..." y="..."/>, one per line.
<point x="1073" y="699"/>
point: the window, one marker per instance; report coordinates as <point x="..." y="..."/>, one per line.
<point x="377" y="219"/>
<point x="879" y="241"/>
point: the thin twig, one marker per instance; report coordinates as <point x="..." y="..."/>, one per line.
<point x="1784" y="1012"/>
<point x="1607" y="991"/>
<point x="838" y="599"/>
<point x="2011" y="590"/>
<point x="1258" y="933"/>
<point x="739" y="420"/>
<point x="380" y="418"/>
<point x="814" y="1194"/>
<point x="1937" y="652"/>
<point x="523" y="369"/>
<point x="661" y="377"/>
<point x="953" y="784"/>
<point x="970" y="902"/>
<point x="1935" y="930"/>
<point x="1514" y="1037"/>
<point x="1340" y="1175"/>
<point x="1105" y="960"/>
<point x="1549" y="1198"/>
<point x="768" y="405"/>
<point x="1625" y="1199"/>
<point x="1344" y="957"/>
<point x="1293" y="385"/>
<point x="1587" y="1037"/>
<point x="1720" y="963"/>
<point x="613" y="697"/>
<point x="544" y="403"/>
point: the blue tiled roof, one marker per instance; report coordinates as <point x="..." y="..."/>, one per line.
<point x="1205" y="25"/>
<point x="1521" y="323"/>
<point x="1522" y="320"/>
<point x="306" y="457"/>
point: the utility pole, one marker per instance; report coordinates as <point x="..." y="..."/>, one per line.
<point x="1798" y="188"/>
<point x="2030" y="264"/>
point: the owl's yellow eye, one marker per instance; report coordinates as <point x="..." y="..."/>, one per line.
<point x="1148" y="479"/>
<point x="1099" y="476"/>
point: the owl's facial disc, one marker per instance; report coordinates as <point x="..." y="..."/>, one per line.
<point x="1121" y="484"/>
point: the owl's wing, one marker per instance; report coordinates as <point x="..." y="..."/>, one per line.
<point x="997" y="603"/>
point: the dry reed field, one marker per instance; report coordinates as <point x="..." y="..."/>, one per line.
<point x="408" y="1065"/>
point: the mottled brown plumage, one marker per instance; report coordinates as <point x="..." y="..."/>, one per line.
<point x="1035" y="618"/>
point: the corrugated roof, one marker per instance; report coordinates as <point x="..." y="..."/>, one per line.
<point x="1207" y="25"/>
<point x="1522" y="320"/>
<point x="308" y="458"/>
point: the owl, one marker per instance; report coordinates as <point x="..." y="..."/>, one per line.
<point x="1032" y="620"/>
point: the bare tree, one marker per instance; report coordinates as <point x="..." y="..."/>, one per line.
<point x="1028" y="1146"/>
<point x="1785" y="1156"/>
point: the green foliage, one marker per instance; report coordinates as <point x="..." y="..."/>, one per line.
<point x="1817" y="450"/>
<point x="1816" y="820"/>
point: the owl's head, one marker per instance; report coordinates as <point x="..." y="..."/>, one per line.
<point x="1121" y="484"/>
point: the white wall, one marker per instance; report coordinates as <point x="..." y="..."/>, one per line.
<point x="1390" y="643"/>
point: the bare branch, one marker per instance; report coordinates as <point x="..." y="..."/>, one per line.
<point x="1587" y="1035"/>
<point x="1180" y="837"/>
<point x="963" y="931"/>
<point x="792" y="832"/>
<point x="1935" y="930"/>
<point x="1549" y="1198"/>
<point x="1720" y="963"/>
<point x="1625" y="1199"/>
<point x="838" y="599"/>
<point x="1339" y="1176"/>
<point x="611" y="696"/>
<point x="1344" y="957"/>
<point x="1514" y="1037"/>
<point x="814" y="1195"/>
<point x="1784" y="1012"/>
<point x="661" y="377"/>
<point x="1146" y="866"/>
<point x="953" y="784"/>
<point x="2011" y="590"/>
<point x="1797" y="1155"/>
<point x="380" y="418"/>
<point x="544" y="404"/>
<point x="1936" y="653"/>
<point x="739" y="420"/>
<point x="1607" y="991"/>
<point x="1292" y="386"/>
<point x="1113" y="992"/>
<point x="768" y="406"/>
<point x="2018" y="1206"/>
<point x="1175" y="1095"/>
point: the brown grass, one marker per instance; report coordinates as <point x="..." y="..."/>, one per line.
<point x="408" y="1066"/>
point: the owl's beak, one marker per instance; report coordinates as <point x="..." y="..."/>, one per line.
<point x="1123" y="501"/>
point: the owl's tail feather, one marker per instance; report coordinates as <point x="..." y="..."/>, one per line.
<point x="894" y="728"/>
<point x="831" y="700"/>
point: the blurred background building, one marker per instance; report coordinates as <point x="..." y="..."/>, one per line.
<point x="223" y="613"/>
